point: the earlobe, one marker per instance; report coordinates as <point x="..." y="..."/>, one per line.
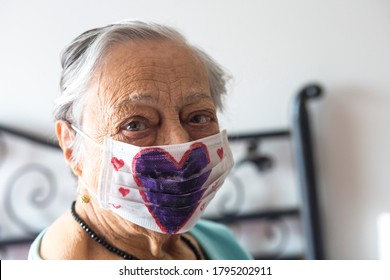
<point x="66" y="136"/>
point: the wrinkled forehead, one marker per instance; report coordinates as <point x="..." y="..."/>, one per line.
<point x="162" y="54"/>
<point x="149" y="66"/>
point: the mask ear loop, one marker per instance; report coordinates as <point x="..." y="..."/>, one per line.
<point x="85" y="198"/>
<point x="85" y="135"/>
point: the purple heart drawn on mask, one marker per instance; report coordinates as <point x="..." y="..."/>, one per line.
<point x="168" y="182"/>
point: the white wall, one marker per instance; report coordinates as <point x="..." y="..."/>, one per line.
<point x="272" y="48"/>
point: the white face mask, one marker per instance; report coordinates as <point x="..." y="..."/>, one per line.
<point x="162" y="188"/>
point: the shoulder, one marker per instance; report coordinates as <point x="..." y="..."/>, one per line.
<point x="33" y="253"/>
<point x="60" y="241"/>
<point x="218" y="242"/>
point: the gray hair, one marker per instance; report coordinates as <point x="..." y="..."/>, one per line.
<point x="83" y="55"/>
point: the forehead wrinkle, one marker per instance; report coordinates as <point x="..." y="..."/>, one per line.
<point x="151" y="84"/>
<point x="127" y="87"/>
<point x="134" y="98"/>
<point x="196" y="93"/>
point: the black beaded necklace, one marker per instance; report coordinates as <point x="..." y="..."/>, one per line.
<point x="115" y="250"/>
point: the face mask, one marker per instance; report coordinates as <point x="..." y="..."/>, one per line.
<point x="162" y="188"/>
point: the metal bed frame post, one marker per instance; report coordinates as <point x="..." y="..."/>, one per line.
<point x="304" y="159"/>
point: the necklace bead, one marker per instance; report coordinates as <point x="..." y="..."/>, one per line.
<point x="115" y="250"/>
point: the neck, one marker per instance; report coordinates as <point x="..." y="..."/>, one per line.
<point x="138" y="241"/>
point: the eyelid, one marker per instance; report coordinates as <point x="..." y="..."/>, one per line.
<point x="135" y="119"/>
<point x="205" y="113"/>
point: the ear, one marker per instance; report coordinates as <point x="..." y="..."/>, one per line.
<point x="66" y="136"/>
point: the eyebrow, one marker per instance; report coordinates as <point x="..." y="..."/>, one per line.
<point x="139" y="97"/>
<point x="197" y="96"/>
<point x="136" y="97"/>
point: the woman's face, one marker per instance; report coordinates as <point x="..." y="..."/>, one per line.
<point x="146" y="94"/>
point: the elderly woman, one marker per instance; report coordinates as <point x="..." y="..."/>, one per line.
<point x="137" y="123"/>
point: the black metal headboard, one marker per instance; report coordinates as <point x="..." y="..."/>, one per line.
<point x="35" y="186"/>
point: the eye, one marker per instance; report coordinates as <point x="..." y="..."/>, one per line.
<point x="136" y="125"/>
<point x="200" y="119"/>
<point x="202" y="123"/>
<point x="138" y="131"/>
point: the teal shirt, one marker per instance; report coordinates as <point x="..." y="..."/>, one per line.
<point x="216" y="241"/>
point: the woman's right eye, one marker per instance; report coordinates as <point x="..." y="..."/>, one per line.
<point x="136" y="125"/>
<point x="138" y="129"/>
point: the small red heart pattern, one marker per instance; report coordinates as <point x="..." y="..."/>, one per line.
<point x="124" y="191"/>
<point x="220" y="153"/>
<point x="117" y="163"/>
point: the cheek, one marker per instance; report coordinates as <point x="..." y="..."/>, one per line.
<point x="91" y="163"/>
